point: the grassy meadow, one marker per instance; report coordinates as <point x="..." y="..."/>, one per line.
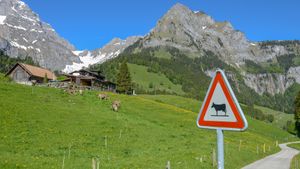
<point x="280" y="118"/>
<point x="48" y="128"/>
<point x="150" y="81"/>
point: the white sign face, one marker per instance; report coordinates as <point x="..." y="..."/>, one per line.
<point x="220" y="108"/>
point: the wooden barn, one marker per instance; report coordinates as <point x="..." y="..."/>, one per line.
<point x="91" y="79"/>
<point x="28" y="74"/>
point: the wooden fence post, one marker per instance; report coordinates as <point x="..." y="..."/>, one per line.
<point x="168" y="165"/>
<point x="105" y="141"/>
<point x="69" y="153"/>
<point x="93" y="163"/>
<point x="98" y="163"/>
<point x="63" y="162"/>
<point x="120" y="135"/>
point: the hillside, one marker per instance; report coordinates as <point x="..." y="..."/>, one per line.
<point x="151" y="82"/>
<point x="280" y="118"/>
<point x="42" y="126"/>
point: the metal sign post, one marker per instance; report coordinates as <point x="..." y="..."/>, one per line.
<point x="220" y="142"/>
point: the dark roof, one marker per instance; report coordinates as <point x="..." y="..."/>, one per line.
<point x="95" y="73"/>
<point x="34" y="71"/>
<point x="81" y="77"/>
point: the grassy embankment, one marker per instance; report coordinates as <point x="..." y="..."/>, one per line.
<point x="295" y="164"/>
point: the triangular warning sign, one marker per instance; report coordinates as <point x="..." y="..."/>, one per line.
<point x="220" y="108"/>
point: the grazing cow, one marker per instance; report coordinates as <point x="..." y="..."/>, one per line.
<point x="116" y="105"/>
<point x="219" y="107"/>
<point x="103" y="96"/>
<point x="71" y="91"/>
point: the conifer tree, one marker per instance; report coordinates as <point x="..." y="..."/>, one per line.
<point x="124" y="84"/>
<point x="297" y="113"/>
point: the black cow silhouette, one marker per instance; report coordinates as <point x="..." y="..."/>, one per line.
<point x="219" y="107"/>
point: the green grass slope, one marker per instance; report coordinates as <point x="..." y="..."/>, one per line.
<point x="42" y="127"/>
<point x="141" y="76"/>
<point x="280" y="118"/>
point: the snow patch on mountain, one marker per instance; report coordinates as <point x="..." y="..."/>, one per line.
<point x="16" y="27"/>
<point x="27" y="18"/>
<point x="25" y="39"/>
<point x="15" y="44"/>
<point x="98" y="56"/>
<point x="77" y="52"/>
<point x="88" y="60"/>
<point x="2" y="19"/>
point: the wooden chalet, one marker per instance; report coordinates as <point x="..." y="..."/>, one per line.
<point x="28" y="74"/>
<point x="91" y="79"/>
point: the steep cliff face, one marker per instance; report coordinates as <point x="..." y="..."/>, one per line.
<point x="294" y="72"/>
<point x="22" y="33"/>
<point x="285" y="56"/>
<point x="269" y="83"/>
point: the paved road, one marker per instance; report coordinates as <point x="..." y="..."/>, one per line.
<point x="280" y="160"/>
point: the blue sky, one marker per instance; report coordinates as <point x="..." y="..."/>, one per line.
<point x="90" y="24"/>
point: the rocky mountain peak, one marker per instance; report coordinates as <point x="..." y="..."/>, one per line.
<point x="183" y="16"/>
<point x="24" y="34"/>
<point x="178" y="9"/>
<point x="197" y="32"/>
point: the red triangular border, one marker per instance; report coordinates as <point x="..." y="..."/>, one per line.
<point x="239" y="124"/>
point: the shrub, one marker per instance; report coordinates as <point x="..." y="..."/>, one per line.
<point x="151" y="85"/>
<point x="270" y="118"/>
